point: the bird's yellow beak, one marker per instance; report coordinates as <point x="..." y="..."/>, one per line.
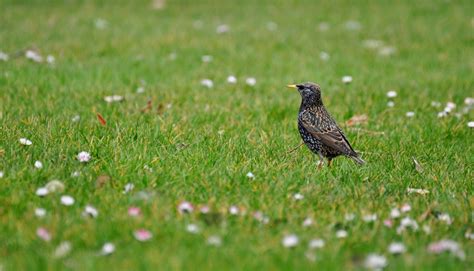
<point x="292" y="86"/>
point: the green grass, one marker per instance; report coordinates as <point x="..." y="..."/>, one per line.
<point x="192" y="161"/>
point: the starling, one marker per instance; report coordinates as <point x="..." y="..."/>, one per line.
<point x="317" y="128"/>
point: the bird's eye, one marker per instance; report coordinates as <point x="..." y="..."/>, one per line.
<point x="300" y="87"/>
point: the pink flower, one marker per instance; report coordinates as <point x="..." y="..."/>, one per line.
<point x="204" y="209"/>
<point x="134" y="211"/>
<point x="388" y="223"/>
<point x="405" y="208"/>
<point x="185" y="207"/>
<point x="43" y="234"/>
<point x="447" y="245"/>
<point x="142" y="235"/>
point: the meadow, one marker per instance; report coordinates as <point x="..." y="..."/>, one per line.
<point x="188" y="139"/>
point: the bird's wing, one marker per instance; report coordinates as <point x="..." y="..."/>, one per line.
<point x="327" y="132"/>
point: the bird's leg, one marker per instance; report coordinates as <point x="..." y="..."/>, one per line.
<point x="295" y="148"/>
<point x="321" y="161"/>
<point x="329" y="162"/>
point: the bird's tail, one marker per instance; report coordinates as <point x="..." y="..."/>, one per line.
<point x="358" y="160"/>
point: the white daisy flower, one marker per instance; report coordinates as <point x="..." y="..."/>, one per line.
<point x="251" y="81"/>
<point x="375" y="262"/>
<point x="307" y="222"/>
<point x="316" y="243"/>
<point x="390" y="104"/>
<point x="231" y="79"/>
<point x="410" y="114"/>
<point x="214" y="240"/>
<point x="223" y="28"/>
<point x="62" y="250"/>
<point x="396" y="248"/>
<point x="417" y="191"/>
<point x="50" y="59"/>
<point x="392" y="94"/>
<point x="54" y="186"/>
<point x="67" y="200"/>
<point x="372" y="44"/>
<point x="207" y="83"/>
<point x="298" y="196"/>
<point x="148" y="168"/>
<point x="346" y="79"/>
<point x="341" y="234"/>
<point x="1" y="174"/>
<point x="192" y="228"/>
<point x="34" y="56"/>
<point x="445" y="218"/>
<point x="405" y="223"/>
<point x="91" y="211"/>
<point x="83" y="157"/>
<point x="426" y="229"/>
<point x="107" y="249"/>
<point x="25" y="141"/>
<point x="40" y="212"/>
<point x="259" y="216"/>
<point x="140" y="90"/>
<point x="290" y="240"/>
<point x="395" y="213"/>
<point x="324" y="56"/>
<point x="435" y="104"/>
<point x="42" y="191"/>
<point x="387" y="50"/>
<point x="233" y="210"/>
<point x="470" y="124"/>
<point x="113" y="98"/>
<point x="128" y="187"/>
<point x="38" y="165"/>
<point x="369" y="218"/>
<point x="3" y="56"/>
<point x="250" y="175"/>
<point x="349" y="216"/>
<point x="442" y="114"/>
<point x="450" y="105"/>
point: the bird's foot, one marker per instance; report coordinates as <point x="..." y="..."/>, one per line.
<point x="329" y="162"/>
<point x="320" y="164"/>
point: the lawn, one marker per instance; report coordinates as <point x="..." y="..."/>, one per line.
<point x="171" y="138"/>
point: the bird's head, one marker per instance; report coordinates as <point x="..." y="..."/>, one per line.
<point x="310" y="93"/>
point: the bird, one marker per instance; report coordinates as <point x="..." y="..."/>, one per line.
<point x="319" y="131"/>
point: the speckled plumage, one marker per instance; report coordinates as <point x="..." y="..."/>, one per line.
<point x="318" y="129"/>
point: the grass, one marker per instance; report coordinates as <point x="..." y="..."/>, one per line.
<point x="192" y="161"/>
